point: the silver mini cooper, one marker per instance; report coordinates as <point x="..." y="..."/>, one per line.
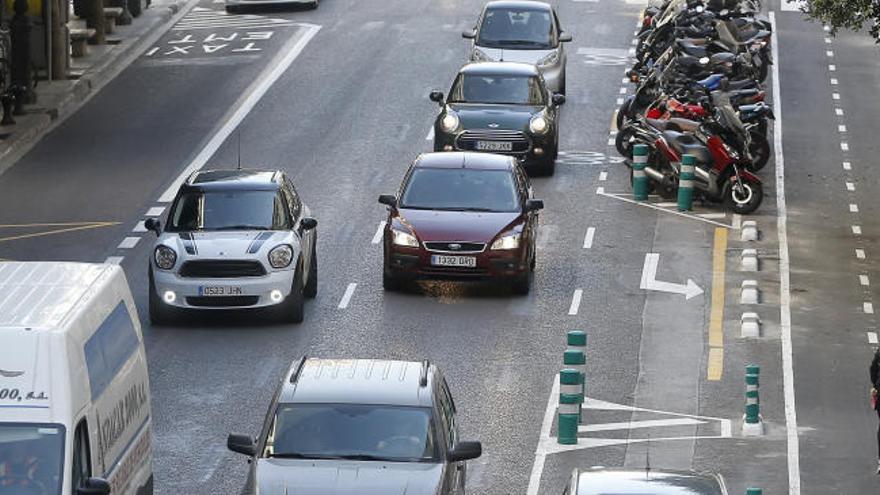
<point x="234" y="239"/>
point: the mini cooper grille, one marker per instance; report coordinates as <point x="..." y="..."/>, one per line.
<point x="456" y="247"/>
<point x="468" y="139"/>
<point x="222" y="269"/>
<point x="222" y="302"/>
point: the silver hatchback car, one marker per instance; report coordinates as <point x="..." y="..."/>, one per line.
<point x="234" y="239"/>
<point x="521" y="31"/>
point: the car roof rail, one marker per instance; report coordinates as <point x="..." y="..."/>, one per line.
<point x="297" y="369"/>
<point x="423" y="377"/>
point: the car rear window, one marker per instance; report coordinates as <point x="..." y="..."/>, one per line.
<point x="497" y="89"/>
<point x="352" y="431"/>
<point x="516" y="28"/>
<point x="460" y="189"/>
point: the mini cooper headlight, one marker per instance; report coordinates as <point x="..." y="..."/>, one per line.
<point x="165" y="257"/>
<point x="538" y="124"/>
<point x="281" y="256"/>
<point x="480" y="56"/>
<point x="401" y="238"/>
<point x="549" y="59"/>
<point x="449" y="122"/>
<point x="507" y="241"/>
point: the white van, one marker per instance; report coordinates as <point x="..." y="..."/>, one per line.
<point x="74" y="391"/>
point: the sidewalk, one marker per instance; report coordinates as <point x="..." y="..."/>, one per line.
<point x="58" y="99"/>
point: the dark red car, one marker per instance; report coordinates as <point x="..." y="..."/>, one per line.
<point x="462" y="216"/>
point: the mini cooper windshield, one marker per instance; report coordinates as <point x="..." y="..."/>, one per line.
<point x="457" y="189"/>
<point x="516" y="28"/>
<point x="352" y="431"/>
<point x="228" y="210"/>
<point x="497" y="89"/>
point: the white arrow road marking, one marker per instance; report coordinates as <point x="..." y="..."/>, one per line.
<point x="650" y="282"/>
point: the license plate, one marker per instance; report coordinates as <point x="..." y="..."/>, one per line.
<point x="220" y="291"/>
<point x="494" y="146"/>
<point x="458" y="261"/>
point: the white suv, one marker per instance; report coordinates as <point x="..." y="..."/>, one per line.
<point x="234" y="239"/>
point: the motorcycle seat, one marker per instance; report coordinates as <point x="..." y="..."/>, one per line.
<point x="687" y="144"/>
<point x="742" y="84"/>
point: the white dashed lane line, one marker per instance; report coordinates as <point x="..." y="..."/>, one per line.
<point x="114" y="260"/>
<point x="575" y="302"/>
<point x="864" y="280"/>
<point x="139" y="227"/>
<point x="588" y="238"/>
<point x="155" y="211"/>
<point x="128" y="243"/>
<point x="603" y="176"/>
<point x="832" y="67"/>
<point x="844" y="146"/>
<point x="346" y="298"/>
<point x="850" y="186"/>
<point x="430" y="136"/>
<point x="377" y="237"/>
<point x="856" y="230"/>
<point x="853" y="208"/>
<point x="872" y="338"/>
<point x="868" y="308"/>
<point x="835" y="96"/>
<point x="839" y="112"/>
<point x="847" y="166"/>
<point x="834" y="81"/>
<point x="841" y="128"/>
<point x="860" y="254"/>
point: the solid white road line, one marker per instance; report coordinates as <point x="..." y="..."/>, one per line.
<point x="245" y="104"/>
<point x="346" y="298"/>
<point x="541" y="449"/>
<point x="860" y="254"/>
<point x="128" y="243"/>
<point x="575" y="302"/>
<point x="872" y="338"/>
<point x="377" y="237"/>
<point x="864" y="280"/>
<point x="155" y="211"/>
<point x="857" y="230"/>
<point x="791" y="429"/>
<point x="868" y="308"/>
<point x="114" y="260"/>
<point x="588" y="239"/>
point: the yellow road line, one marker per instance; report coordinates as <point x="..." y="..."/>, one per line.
<point x="716" y="316"/>
<point x="95" y="225"/>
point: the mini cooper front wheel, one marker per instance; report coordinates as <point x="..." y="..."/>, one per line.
<point x="161" y="314"/>
<point x="292" y="310"/>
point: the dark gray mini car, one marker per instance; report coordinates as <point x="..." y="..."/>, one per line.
<point x="358" y="426"/>
<point x="643" y="482"/>
<point x="504" y="108"/>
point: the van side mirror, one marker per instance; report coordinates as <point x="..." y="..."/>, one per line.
<point x="564" y="37"/>
<point x="242" y="444"/>
<point x="308" y="223"/>
<point x="558" y="99"/>
<point x="436" y="96"/>
<point x="94" y="486"/>
<point x="469" y="34"/>
<point x="464" y="451"/>
<point x="534" y="205"/>
<point x="154" y="225"/>
<point x="388" y="199"/>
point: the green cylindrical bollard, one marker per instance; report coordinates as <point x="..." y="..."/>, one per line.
<point x="753" y="369"/>
<point x="576" y="359"/>
<point x="567" y="420"/>
<point x="571" y="383"/>
<point x="577" y="341"/>
<point x="753" y="491"/>
<point x="640" y="180"/>
<point x="753" y="412"/>
<point x="686" y="183"/>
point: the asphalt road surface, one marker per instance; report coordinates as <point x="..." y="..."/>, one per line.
<point x="337" y="98"/>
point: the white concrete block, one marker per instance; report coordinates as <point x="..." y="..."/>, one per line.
<point x="750" y="325"/>
<point x="753" y="429"/>
<point x="749" y="260"/>
<point x="749" y="294"/>
<point x="749" y="231"/>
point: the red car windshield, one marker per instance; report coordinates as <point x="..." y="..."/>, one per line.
<point x="460" y="189"/>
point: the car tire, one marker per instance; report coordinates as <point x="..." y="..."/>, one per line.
<point x="292" y="310"/>
<point x="522" y="284"/>
<point x="160" y="314"/>
<point x="134" y="7"/>
<point x="311" y="288"/>
<point x="548" y="167"/>
<point x="390" y="283"/>
<point x="562" y="84"/>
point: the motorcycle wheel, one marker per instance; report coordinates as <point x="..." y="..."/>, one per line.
<point x="622" y="111"/>
<point x="760" y="151"/>
<point x="621" y="142"/>
<point x="748" y="200"/>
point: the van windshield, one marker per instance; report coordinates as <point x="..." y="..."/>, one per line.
<point x="31" y="458"/>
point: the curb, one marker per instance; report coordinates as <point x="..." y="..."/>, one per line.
<point x="94" y="78"/>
